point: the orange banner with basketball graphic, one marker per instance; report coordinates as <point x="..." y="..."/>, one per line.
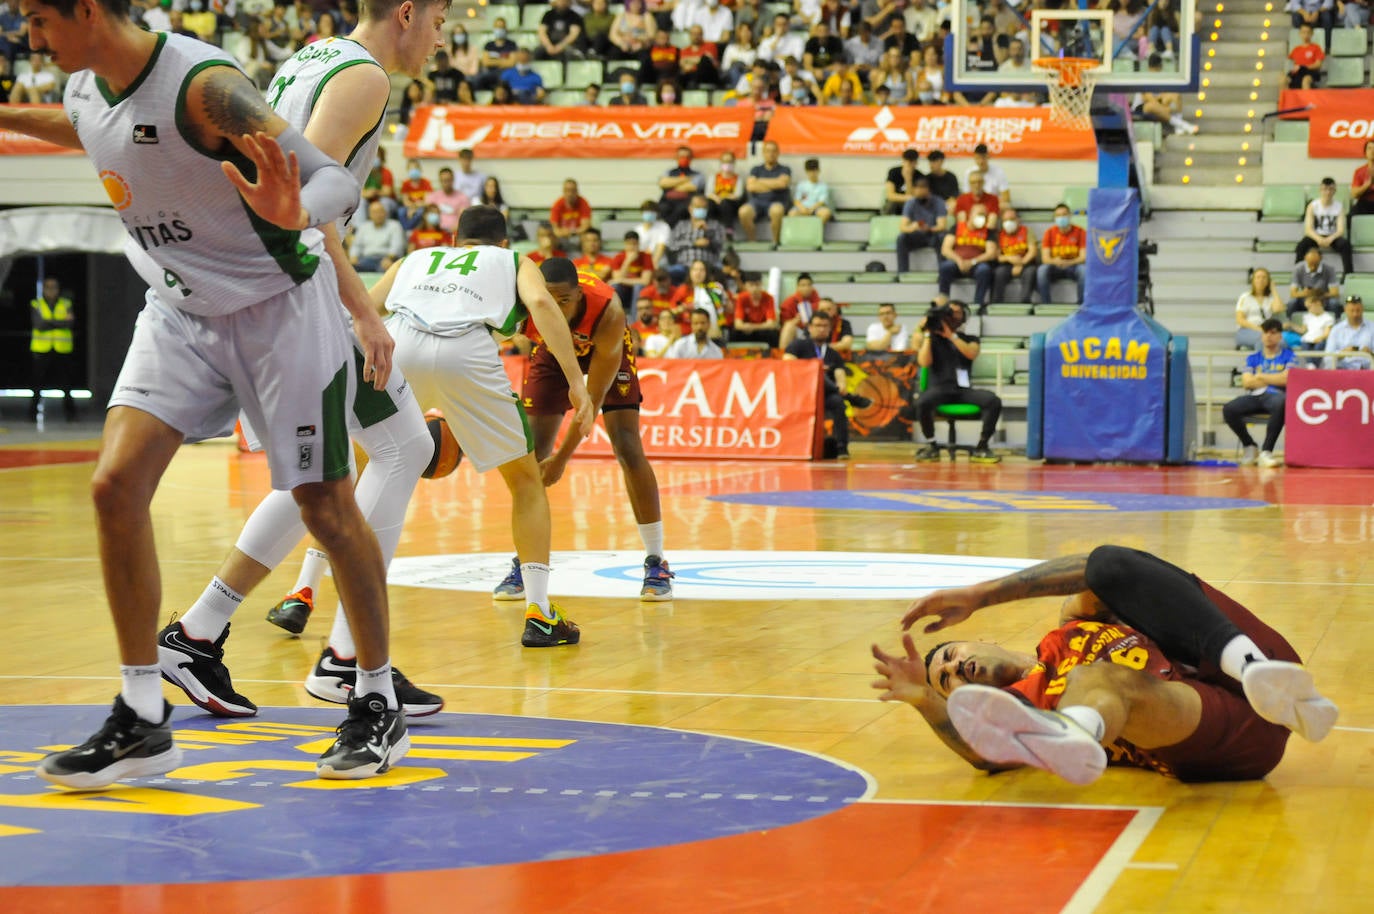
<point x="1340" y="121"/>
<point x="741" y="409"/>
<point x="1022" y="133"/>
<point x="525" y="132"/>
<point x="20" y="144"/>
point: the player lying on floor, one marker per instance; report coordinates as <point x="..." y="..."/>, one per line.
<point x="1150" y="667"/>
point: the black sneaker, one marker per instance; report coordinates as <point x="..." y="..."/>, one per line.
<point x="293" y="611"/>
<point x="513" y="586"/>
<point x="197" y="668"/>
<point x="540" y="632"/>
<point x="983" y="454"/>
<point x="928" y="453"/>
<point x="333" y="679"/>
<point x="125" y="747"/>
<point x="371" y="739"/>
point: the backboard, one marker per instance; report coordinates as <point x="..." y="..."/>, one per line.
<point x="992" y="43"/>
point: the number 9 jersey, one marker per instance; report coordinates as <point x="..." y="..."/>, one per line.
<point x="450" y="291"/>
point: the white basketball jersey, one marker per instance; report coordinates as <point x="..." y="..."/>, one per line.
<point x="300" y="81"/>
<point x="192" y="238"/>
<point x="449" y="291"/>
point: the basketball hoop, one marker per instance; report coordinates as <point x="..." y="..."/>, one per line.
<point x="1071" y="93"/>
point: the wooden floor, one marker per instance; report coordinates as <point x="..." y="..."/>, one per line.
<point x="789" y="671"/>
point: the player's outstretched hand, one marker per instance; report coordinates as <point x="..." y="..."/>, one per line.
<point x="551" y="469"/>
<point x="948" y="606"/>
<point x="276" y="195"/>
<point x="584" y="413"/>
<point x="901" y="678"/>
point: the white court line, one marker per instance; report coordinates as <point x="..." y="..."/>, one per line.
<point x="1113" y="863"/>
<point x="1151" y="866"/>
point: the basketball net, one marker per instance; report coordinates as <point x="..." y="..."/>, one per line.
<point x="1071" y="82"/>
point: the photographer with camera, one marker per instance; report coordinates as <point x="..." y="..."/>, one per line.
<point x="948" y="355"/>
<point x="816" y="345"/>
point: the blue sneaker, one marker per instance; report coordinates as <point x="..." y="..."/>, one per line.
<point x="513" y="587"/>
<point x="657" y="580"/>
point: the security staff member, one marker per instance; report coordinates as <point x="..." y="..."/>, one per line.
<point x="52" y="318"/>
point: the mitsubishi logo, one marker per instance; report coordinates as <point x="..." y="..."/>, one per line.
<point x="883" y="119"/>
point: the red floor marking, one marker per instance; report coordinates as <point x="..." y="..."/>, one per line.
<point x="869" y="857"/>
<point x="37" y="457"/>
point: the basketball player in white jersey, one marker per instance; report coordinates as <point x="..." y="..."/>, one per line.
<point x="447" y="302"/>
<point x="219" y="196"/>
<point x="335" y="91"/>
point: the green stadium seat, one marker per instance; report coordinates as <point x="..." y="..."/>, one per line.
<point x="507" y="11"/>
<point x="1344" y="73"/>
<point x="550" y="71"/>
<point x="527" y="40"/>
<point x="883" y="232"/>
<point x="530" y="16"/>
<point x="878" y="278"/>
<point x="753" y="246"/>
<point x="1361" y="284"/>
<point x="583" y="73"/>
<point x="801" y="233"/>
<point x="696" y="98"/>
<point x="1290" y="131"/>
<point x="1283" y="203"/>
<point x="564" y="98"/>
<point x="482" y="97"/>
<point x="1076" y="199"/>
<point x="1151" y="131"/>
<point x="831" y="275"/>
<point x="1362" y="232"/>
<point x="1347" y="42"/>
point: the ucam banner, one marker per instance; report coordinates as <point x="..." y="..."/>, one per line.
<point x="528" y="132"/>
<point x="1340" y="121"/>
<point x="1024" y="133"/>
<point x="1329" y="419"/>
<point x="21" y="144"/>
<point x="1105" y="383"/>
<point x="741" y="409"/>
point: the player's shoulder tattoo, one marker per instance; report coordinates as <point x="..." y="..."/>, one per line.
<point x="232" y="104"/>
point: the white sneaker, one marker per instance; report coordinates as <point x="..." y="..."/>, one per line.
<point x="1283" y="693"/>
<point x="1267" y="459"/>
<point x="1249" y="455"/>
<point x="1002" y="728"/>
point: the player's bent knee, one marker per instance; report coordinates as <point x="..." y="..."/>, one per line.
<point x="1109" y="568"/>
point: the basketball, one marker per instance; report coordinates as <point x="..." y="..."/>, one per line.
<point x="447" y="453"/>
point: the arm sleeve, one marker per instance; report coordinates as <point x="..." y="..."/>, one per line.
<point x="328" y="190"/>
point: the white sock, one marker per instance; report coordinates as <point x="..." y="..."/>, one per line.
<point x="312" y="571"/>
<point x="537" y="586"/>
<point x="210" y="614"/>
<point x="1239" y="651"/>
<point x="1087" y="718"/>
<point x="377" y="682"/>
<point x="142" y="691"/>
<point x="341" y="636"/>
<point x="652" y="534"/>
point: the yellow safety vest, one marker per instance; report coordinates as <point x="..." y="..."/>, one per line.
<point x="58" y="340"/>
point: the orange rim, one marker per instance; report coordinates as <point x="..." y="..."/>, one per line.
<point x="1070" y="69"/>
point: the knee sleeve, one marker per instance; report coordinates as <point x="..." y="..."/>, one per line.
<point x="273" y="529"/>
<point x="398" y="449"/>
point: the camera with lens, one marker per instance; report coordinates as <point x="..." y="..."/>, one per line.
<point x="940" y="318"/>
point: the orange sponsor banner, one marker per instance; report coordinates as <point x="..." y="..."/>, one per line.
<point x="1340" y="121"/>
<point x="527" y="132"/>
<point x="1023" y="133"/>
<point x="20" y="144"/>
<point x="741" y="409"/>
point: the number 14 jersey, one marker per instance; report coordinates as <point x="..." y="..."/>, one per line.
<point x="449" y="291"/>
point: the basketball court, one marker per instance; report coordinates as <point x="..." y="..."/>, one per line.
<point x="722" y="752"/>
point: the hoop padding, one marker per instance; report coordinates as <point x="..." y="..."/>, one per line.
<point x="1071" y="82"/>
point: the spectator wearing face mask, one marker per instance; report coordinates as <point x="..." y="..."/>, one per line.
<point x="498" y="56"/>
<point x="464" y="54"/>
<point x="698" y="237"/>
<point x="969" y="251"/>
<point x="416" y="186"/>
<point x="629" y="93"/>
<point x="653" y="233"/>
<point x="679" y="185"/>
<point x="977" y="195"/>
<point x="1016" y="256"/>
<point x="526" y="86"/>
<point x="428" y="234"/>
<point x="1063" y="254"/>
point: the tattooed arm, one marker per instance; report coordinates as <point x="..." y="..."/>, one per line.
<point x="1057" y="577"/>
<point x="293" y="184"/>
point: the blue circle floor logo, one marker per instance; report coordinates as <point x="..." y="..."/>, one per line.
<point x="965" y="500"/>
<point x="719" y="575"/>
<point x="475" y="790"/>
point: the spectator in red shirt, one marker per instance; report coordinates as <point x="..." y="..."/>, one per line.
<point x="1307" y="59"/>
<point x="659" y="62"/>
<point x="655" y="297"/>
<point x="630" y="270"/>
<point x="570" y="214"/>
<point x="797" y="309"/>
<point x="546" y="244"/>
<point x="1362" y="185"/>
<point x="428" y="234"/>
<point x="756" y="314"/>
<point x="963" y="206"/>
<point x="699" y="62"/>
<point x="1063" y="254"/>
<point x="969" y="250"/>
<point x="1016" y="256"/>
<point x="725" y="192"/>
<point x="416" y="185"/>
<point x="593" y="260"/>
